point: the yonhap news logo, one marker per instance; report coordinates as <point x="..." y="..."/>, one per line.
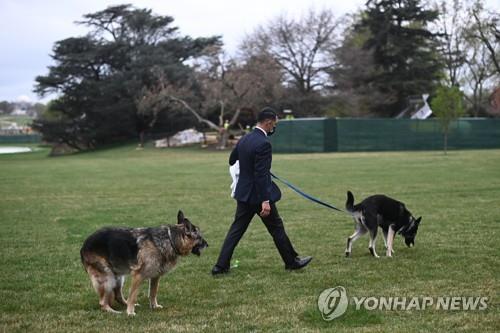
<point x="333" y="303"/>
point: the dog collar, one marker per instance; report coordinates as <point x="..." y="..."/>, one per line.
<point x="172" y="243"/>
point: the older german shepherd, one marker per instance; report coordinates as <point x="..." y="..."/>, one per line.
<point x="146" y="253"/>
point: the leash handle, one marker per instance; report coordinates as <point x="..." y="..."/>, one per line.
<point x="305" y="195"/>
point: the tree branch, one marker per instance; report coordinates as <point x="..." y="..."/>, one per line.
<point x="198" y="117"/>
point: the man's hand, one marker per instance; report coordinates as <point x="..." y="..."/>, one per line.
<point x="266" y="209"/>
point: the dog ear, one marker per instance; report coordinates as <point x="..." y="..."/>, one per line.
<point x="417" y="222"/>
<point x="180" y="217"/>
<point x="185" y="230"/>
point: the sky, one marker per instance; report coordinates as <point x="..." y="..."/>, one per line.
<point x="29" y="28"/>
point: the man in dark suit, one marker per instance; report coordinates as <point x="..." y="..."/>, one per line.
<point x="257" y="194"/>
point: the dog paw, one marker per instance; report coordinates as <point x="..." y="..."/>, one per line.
<point x="156" y="306"/>
<point x="131" y="313"/>
<point x="391" y="250"/>
<point x="347" y="254"/>
<point x="111" y="310"/>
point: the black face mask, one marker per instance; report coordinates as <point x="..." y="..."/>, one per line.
<point x="272" y="131"/>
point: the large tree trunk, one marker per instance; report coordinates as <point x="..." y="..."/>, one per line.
<point x="224" y="133"/>
<point x="141" y="140"/>
<point x="223" y="139"/>
<point x="198" y="117"/>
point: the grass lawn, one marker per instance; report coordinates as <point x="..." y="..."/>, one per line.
<point x="49" y="205"/>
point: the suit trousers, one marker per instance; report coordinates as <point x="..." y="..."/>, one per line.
<point x="274" y="224"/>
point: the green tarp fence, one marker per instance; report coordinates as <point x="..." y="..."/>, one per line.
<point x="346" y="134"/>
<point x="28" y="138"/>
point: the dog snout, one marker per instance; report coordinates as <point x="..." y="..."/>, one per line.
<point x="410" y="242"/>
<point x="201" y="243"/>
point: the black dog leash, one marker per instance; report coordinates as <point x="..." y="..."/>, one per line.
<point x="305" y="195"/>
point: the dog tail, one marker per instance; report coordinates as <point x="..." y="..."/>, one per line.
<point x="349" y="204"/>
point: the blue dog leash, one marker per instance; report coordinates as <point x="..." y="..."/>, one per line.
<point x="305" y="195"/>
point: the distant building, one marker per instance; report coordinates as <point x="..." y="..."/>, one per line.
<point x="19" y="112"/>
<point x="495" y="102"/>
<point x="417" y="108"/>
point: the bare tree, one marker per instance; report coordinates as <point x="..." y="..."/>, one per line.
<point x="479" y="75"/>
<point x="487" y="31"/>
<point x="265" y="78"/>
<point x="165" y="95"/>
<point x="299" y="47"/>
<point x="450" y="30"/>
<point x="467" y="35"/>
<point x="220" y="84"/>
<point x="480" y="48"/>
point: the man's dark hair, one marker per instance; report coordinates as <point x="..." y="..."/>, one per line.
<point x="266" y="113"/>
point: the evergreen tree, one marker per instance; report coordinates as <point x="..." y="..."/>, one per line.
<point x="404" y="51"/>
<point x="99" y="77"/>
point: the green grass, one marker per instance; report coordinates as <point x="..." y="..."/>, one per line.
<point x="49" y="205"/>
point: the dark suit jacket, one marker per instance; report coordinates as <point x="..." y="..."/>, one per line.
<point x="255" y="155"/>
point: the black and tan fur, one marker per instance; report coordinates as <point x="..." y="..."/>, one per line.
<point x="145" y="253"/>
<point x="384" y="212"/>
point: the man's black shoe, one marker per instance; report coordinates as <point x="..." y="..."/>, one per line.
<point x="219" y="271"/>
<point x="299" y="263"/>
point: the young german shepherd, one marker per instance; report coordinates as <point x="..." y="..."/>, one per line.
<point x="145" y="253"/>
<point x="386" y="213"/>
